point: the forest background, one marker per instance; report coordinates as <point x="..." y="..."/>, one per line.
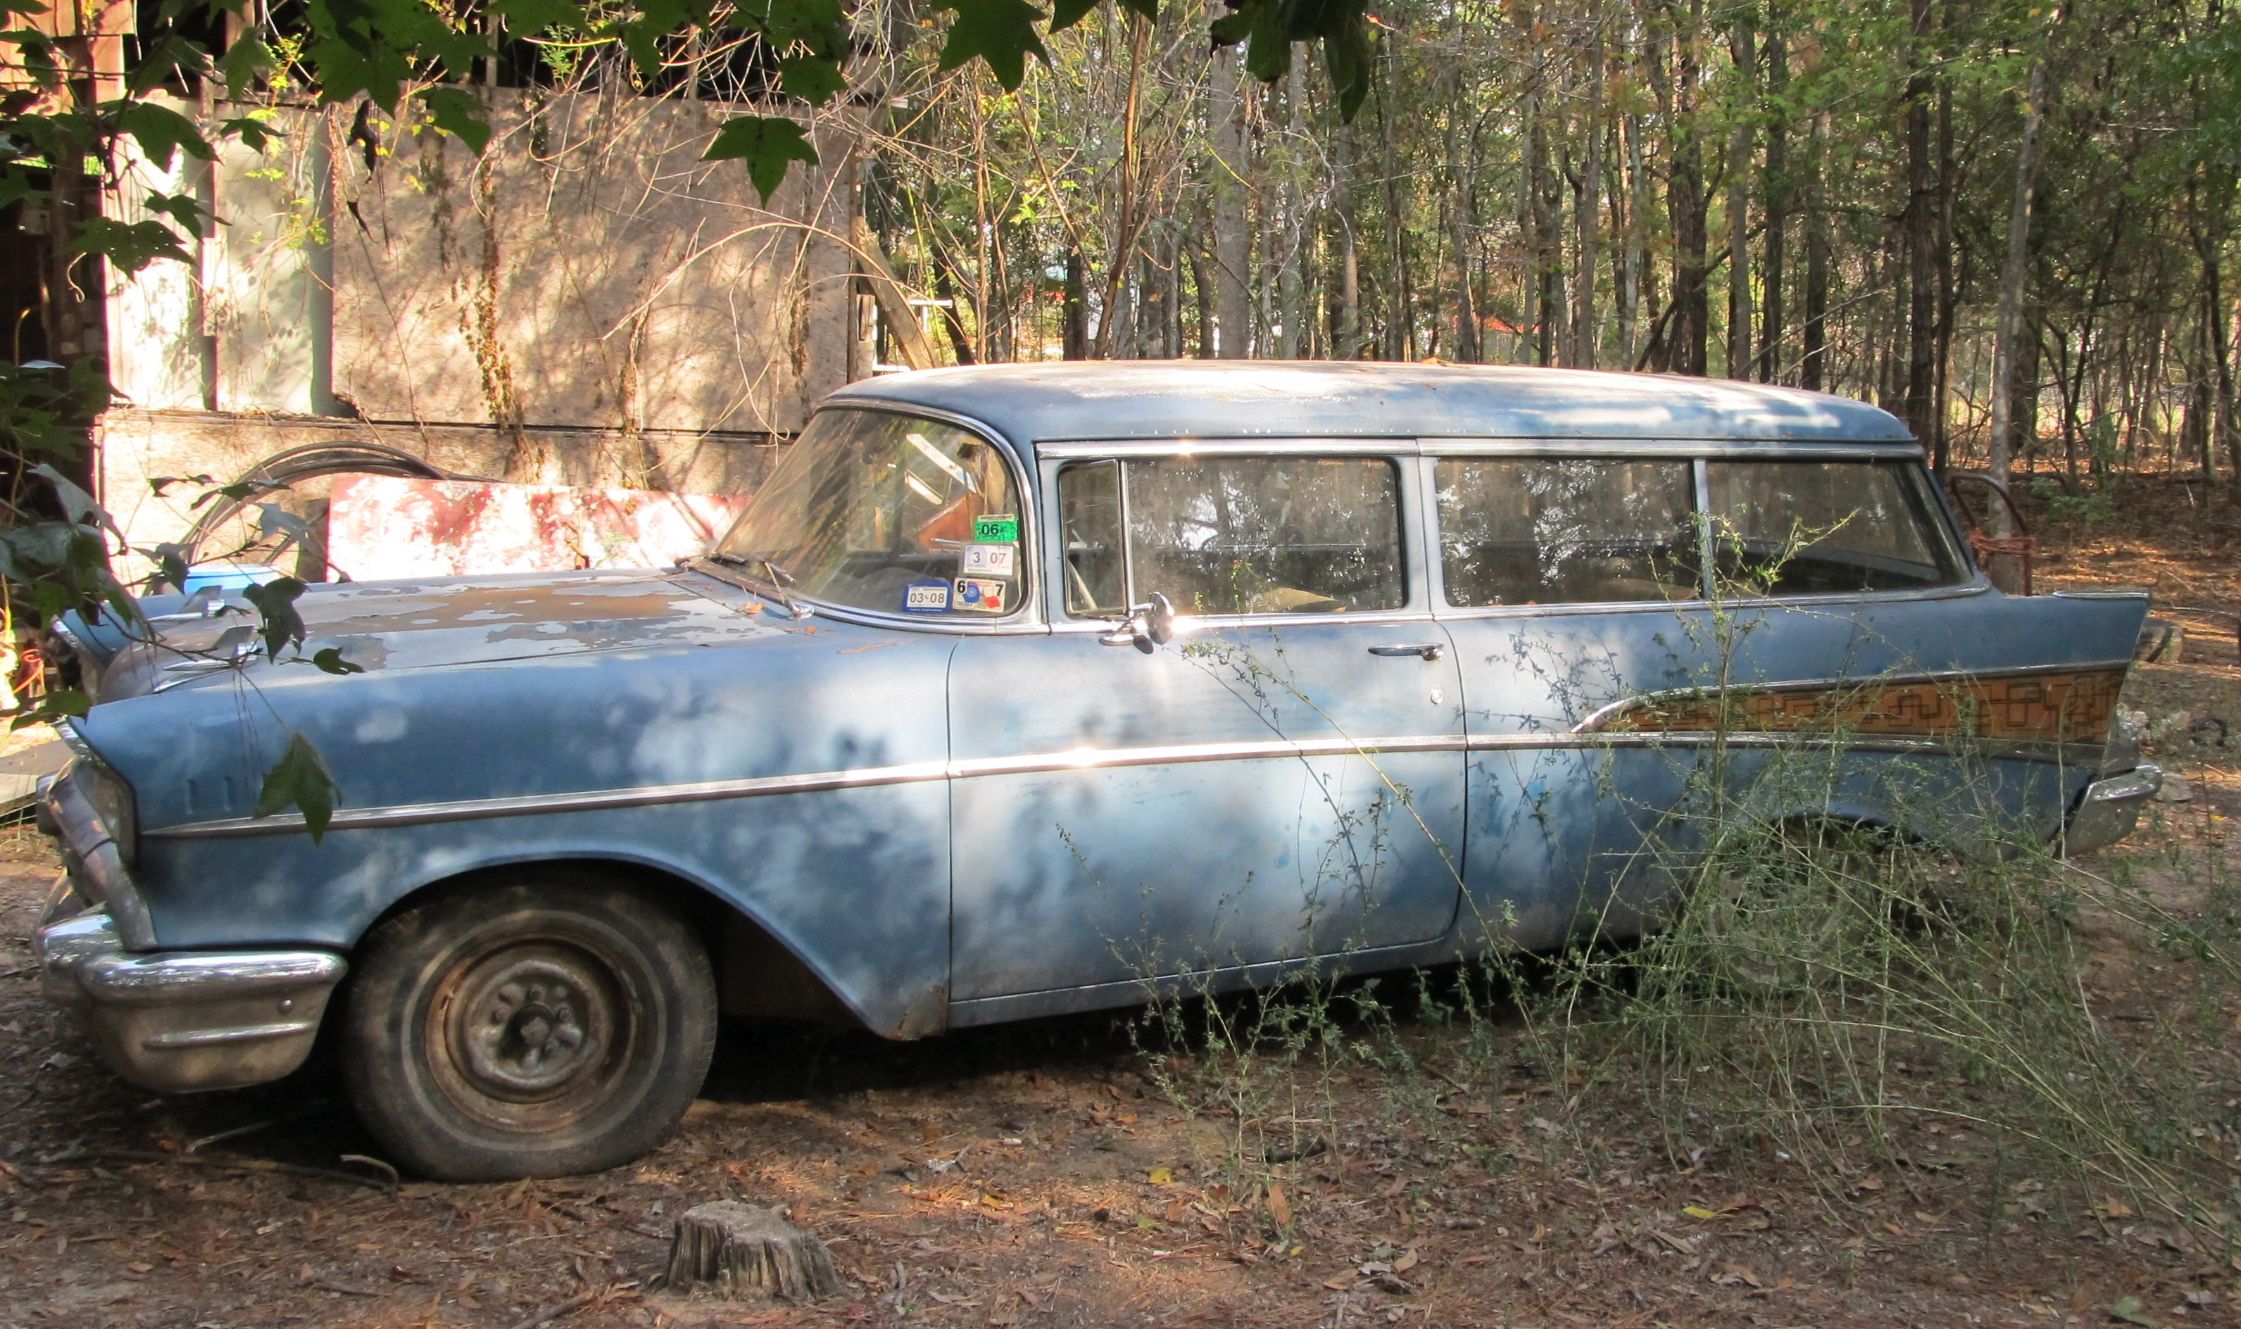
<point x="2007" y="220"/>
<point x="1913" y="202"/>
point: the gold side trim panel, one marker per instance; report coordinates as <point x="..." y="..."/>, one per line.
<point x="2059" y="716"/>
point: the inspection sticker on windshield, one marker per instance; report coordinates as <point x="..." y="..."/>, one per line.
<point x="926" y="597"/>
<point x="1000" y="528"/>
<point x="979" y="595"/>
<point x="991" y="560"/>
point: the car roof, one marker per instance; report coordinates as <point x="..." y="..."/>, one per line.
<point x="1076" y="401"/>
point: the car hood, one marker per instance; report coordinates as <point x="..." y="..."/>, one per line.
<point x="449" y="622"/>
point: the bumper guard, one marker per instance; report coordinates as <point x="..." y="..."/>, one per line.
<point x="183" y="1020"/>
<point x="2109" y="809"/>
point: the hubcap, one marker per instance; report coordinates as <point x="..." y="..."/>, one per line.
<point x="529" y="1023"/>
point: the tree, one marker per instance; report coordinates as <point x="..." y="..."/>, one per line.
<point x="410" y="57"/>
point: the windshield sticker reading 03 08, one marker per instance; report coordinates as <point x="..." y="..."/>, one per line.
<point x="926" y="597"/>
<point x="997" y="529"/>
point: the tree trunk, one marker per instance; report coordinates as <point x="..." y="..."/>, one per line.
<point x="1343" y="290"/>
<point x="1777" y="193"/>
<point x="1743" y="45"/>
<point x="745" y="1248"/>
<point x="1074" y="331"/>
<point x="1685" y="201"/>
<point x="1290" y="324"/>
<point x="2211" y="225"/>
<point x="1466" y="347"/>
<point x="1167" y="290"/>
<point x="1400" y="293"/>
<point x="1548" y="251"/>
<point x="1917" y="404"/>
<point x="1941" y="396"/>
<point x="1227" y="174"/>
<point x="1587" y="188"/>
<point x="1631" y="295"/>
<point x="1202" y="287"/>
<point x="2228" y="428"/>
<point x="945" y="288"/>
<point x="1813" y="364"/>
<point x="2008" y="315"/>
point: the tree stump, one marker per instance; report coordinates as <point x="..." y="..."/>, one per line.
<point x="746" y="1248"/>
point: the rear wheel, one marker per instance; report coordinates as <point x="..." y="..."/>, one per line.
<point x="550" y="1025"/>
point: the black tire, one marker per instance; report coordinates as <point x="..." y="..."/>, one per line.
<point x="541" y="1027"/>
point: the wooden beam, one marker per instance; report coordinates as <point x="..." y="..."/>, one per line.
<point x="894" y="300"/>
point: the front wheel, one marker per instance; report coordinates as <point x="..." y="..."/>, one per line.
<point x="552" y="1025"/>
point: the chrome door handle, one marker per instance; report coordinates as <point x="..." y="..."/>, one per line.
<point x="1422" y="650"/>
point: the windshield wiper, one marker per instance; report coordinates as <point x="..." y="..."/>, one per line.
<point x="779" y="577"/>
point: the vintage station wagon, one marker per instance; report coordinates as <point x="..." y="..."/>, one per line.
<point x="1032" y="689"/>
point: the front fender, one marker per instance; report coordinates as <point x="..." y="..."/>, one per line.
<point x="853" y="882"/>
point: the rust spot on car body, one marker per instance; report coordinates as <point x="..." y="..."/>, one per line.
<point x="926" y="1016"/>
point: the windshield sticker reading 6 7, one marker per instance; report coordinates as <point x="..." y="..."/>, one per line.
<point x="978" y="595"/>
<point x="996" y="529"/>
<point x="926" y="597"/>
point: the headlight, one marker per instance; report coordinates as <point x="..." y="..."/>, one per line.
<point x="112" y="802"/>
<point x="106" y="790"/>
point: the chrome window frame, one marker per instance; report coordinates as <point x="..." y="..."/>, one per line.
<point x="1408" y="498"/>
<point x="1027" y="618"/>
<point x="1435" y="557"/>
<point x="1697" y="453"/>
<point x="1945" y="535"/>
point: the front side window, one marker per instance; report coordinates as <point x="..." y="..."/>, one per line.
<point x="1823" y="528"/>
<point x="894" y="513"/>
<point x="1538" y="530"/>
<point x="1232" y="535"/>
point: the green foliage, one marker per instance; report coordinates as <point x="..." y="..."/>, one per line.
<point x="811" y="79"/>
<point x="299" y="780"/>
<point x="160" y="131"/>
<point x="1066" y="13"/>
<point x="768" y="144"/>
<point x="328" y="660"/>
<point x="128" y="246"/>
<point x="816" y="26"/>
<point x="457" y="112"/>
<point x="1269" y="27"/>
<point x="281" y="625"/>
<point x="1000" y="32"/>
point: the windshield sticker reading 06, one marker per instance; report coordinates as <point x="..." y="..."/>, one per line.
<point x="996" y="529"/>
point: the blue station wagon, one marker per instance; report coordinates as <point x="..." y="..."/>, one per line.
<point x="1033" y="689"/>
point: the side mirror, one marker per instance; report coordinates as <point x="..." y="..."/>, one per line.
<point x="1147" y="627"/>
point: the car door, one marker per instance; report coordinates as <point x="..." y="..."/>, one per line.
<point x="1568" y="583"/>
<point x="1625" y="703"/>
<point x="1281" y="780"/>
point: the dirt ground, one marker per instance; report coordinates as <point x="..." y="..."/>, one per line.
<point x="1042" y="1175"/>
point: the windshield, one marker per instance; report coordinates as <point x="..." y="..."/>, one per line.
<point x="888" y="512"/>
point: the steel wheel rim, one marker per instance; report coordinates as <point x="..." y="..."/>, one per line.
<point x="529" y="1034"/>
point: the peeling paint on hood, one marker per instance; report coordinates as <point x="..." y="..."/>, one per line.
<point x="452" y="622"/>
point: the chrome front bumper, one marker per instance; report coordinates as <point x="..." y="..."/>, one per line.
<point x="182" y="1020"/>
<point x="2109" y="809"/>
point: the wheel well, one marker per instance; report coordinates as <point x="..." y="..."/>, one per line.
<point x="756" y="974"/>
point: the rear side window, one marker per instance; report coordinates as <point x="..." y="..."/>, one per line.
<point x="1821" y="528"/>
<point x="1517" y="531"/>
<point x="1233" y="535"/>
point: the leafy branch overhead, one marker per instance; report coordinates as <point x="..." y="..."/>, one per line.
<point x="391" y="53"/>
<point x="374" y="48"/>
